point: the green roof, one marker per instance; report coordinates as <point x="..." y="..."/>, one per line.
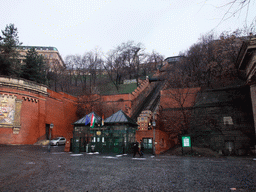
<point x="119" y="117"/>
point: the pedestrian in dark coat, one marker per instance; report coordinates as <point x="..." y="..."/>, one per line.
<point x="135" y="148"/>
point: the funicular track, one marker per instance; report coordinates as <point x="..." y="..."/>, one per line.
<point x="151" y="101"/>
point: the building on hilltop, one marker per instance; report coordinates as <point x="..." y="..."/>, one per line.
<point x="51" y="55"/>
<point x="172" y="60"/>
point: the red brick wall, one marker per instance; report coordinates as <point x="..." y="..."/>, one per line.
<point x="127" y="102"/>
<point x="57" y="108"/>
<point x="175" y="98"/>
<point x="61" y="111"/>
<point x="116" y="102"/>
<point x="162" y="139"/>
<point x="31" y="127"/>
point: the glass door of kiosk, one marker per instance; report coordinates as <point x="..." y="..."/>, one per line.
<point x="148" y="145"/>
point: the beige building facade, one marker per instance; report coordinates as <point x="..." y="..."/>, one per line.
<point x="51" y="55"/>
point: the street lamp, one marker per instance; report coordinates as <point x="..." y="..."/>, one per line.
<point x="154" y="137"/>
<point x="49" y="146"/>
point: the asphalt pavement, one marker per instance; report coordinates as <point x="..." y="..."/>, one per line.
<point x="33" y="168"/>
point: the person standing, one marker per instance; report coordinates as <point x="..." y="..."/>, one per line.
<point x="135" y="148"/>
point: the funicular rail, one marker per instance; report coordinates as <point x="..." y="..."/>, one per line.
<point x="150" y="101"/>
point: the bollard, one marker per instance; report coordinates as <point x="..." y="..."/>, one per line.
<point x="67" y="146"/>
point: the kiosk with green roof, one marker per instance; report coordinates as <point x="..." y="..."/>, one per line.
<point x="115" y="135"/>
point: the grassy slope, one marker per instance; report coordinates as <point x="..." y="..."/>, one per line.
<point x="109" y="88"/>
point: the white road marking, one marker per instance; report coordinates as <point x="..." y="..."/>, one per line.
<point x="138" y="158"/>
<point x="109" y="157"/>
<point x="75" y="155"/>
<point x="57" y="153"/>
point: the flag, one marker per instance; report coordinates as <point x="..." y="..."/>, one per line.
<point x="87" y="120"/>
<point x="92" y="121"/>
<point x="102" y="122"/>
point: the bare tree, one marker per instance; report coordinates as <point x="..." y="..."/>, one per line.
<point x="93" y="102"/>
<point x="211" y="61"/>
<point x="236" y="7"/>
<point x="113" y="67"/>
<point x="124" y="62"/>
<point x="56" y="70"/>
<point x="92" y="61"/>
<point x="155" y="59"/>
<point x="176" y="111"/>
<point x="71" y="71"/>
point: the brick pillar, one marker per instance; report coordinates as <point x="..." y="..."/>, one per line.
<point x="253" y="98"/>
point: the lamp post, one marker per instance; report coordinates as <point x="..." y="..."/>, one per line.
<point x="49" y="146"/>
<point x="154" y="137"/>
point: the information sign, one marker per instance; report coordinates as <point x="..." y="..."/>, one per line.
<point x="186" y="141"/>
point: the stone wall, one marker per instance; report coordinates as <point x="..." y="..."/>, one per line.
<point x="224" y="124"/>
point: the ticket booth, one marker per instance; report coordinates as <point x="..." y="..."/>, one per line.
<point x="115" y="136"/>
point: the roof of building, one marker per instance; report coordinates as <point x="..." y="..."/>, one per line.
<point x="120" y="117"/>
<point x="38" y="48"/>
<point x="173" y="58"/>
<point x="82" y="120"/>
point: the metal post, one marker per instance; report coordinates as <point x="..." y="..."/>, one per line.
<point x="49" y="146"/>
<point x="154" y="135"/>
<point x="154" y="147"/>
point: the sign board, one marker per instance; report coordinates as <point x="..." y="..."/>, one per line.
<point x="186" y="141"/>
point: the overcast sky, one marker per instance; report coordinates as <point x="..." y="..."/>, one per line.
<point x="77" y="26"/>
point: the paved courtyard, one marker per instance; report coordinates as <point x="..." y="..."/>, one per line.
<point x="33" y="168"/>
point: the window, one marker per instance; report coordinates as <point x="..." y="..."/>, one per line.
<point x="147" y="143"/>
<point x="228" y="120"/>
